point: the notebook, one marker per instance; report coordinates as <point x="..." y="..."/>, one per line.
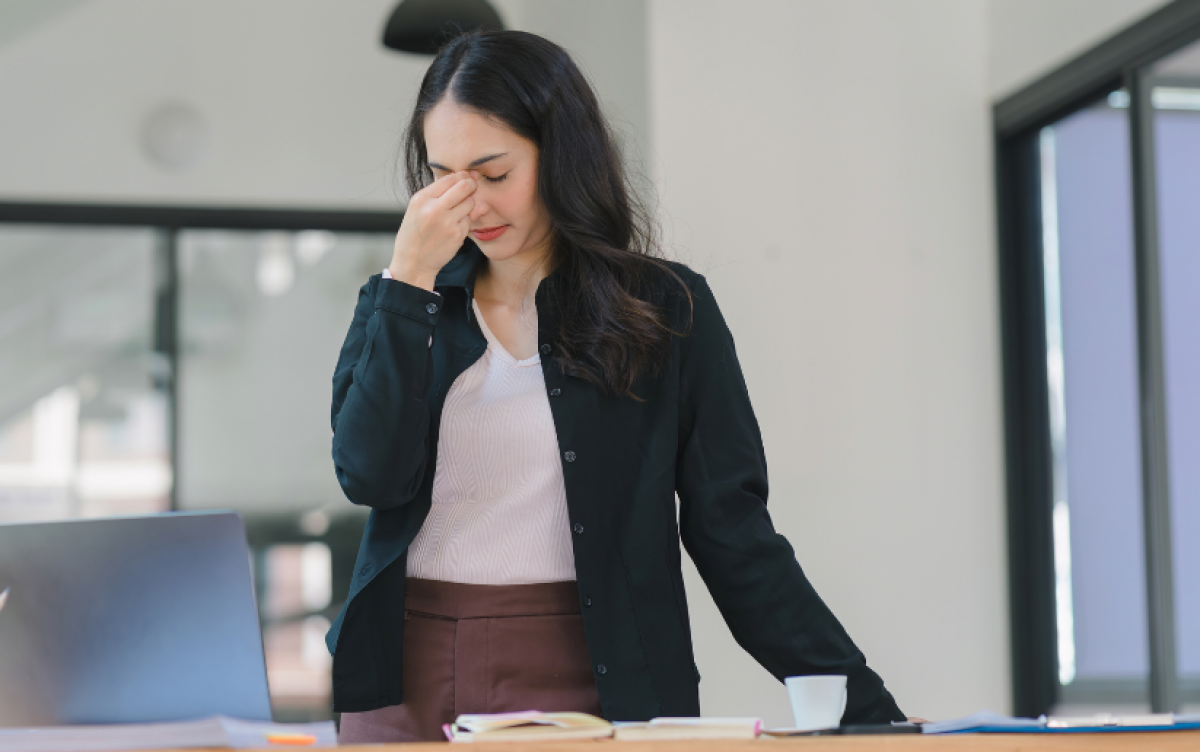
<point x="527" y="725"/>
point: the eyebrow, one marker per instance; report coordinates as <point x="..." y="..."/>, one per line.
<point x="476" y="163"/>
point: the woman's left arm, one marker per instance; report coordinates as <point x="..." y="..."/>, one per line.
<point x="751" y="570"/>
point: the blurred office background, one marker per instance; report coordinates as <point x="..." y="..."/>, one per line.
<point x="828" y="164"/>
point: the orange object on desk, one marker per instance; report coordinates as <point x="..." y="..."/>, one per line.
<point x="297" y="740"/>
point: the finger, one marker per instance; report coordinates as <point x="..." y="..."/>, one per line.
<point x="456" y="193"/>
<point x="439" y="187"/>
<point x="463" y="210"/>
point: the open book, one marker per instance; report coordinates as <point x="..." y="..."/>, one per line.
<point x="665" y="729"/>
<point x="526" y="726"/>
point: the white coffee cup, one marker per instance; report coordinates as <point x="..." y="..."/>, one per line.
<point x="817" y="701"/>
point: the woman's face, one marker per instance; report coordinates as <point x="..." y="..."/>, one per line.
<point x="509" y="217"/>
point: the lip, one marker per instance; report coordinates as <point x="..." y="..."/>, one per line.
<point x="489" y="233"/>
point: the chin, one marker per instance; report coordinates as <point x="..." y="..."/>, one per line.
<point x="500" y="250"/>
<point x="492" y="252"/>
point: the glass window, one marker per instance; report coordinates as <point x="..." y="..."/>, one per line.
<point x="297" y="589"/>
<point x="1092" y="366"/>
<point x="1125" y="615"/>
<point x="1176" y="99"/>
<point x="262" y="318"/>
<point x="84" y="411"/>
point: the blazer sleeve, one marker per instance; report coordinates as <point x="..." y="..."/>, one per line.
<point x="751" y="571"/>
<point x="380" y="417"/>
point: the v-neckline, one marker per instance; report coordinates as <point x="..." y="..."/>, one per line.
<point x="495" y="345"/>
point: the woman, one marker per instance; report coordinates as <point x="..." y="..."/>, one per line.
<point x="521" y="395"/>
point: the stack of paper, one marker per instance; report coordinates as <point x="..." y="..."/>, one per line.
<point x="664" y="729"/>
<point x="218" y="731"/>
<point x="526" y="726"/>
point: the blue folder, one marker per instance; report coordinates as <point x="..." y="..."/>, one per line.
<point x="988" y="722"/>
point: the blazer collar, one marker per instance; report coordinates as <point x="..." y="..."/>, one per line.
<point x="460" y="271"/>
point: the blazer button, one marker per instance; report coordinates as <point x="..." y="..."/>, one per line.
<point x="431" y="308"/>
<point x="578" y="528"/>
<point x="587" y="602"/>
<point x="546" y="349"/>
<point x="556" y="392"/>
<point x="569" y="456"/>
<point x="601" y="669"/>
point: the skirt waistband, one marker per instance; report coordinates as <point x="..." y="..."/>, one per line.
<point x="460" y="600"/>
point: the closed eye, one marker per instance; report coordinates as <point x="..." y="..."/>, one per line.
<point x="495" y="180"/>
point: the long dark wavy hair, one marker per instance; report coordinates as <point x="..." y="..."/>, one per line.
<point x="607" y="287"/>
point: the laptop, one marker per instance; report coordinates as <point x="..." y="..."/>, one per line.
<point x="129" y="620"/>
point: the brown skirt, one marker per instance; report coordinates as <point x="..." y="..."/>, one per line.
<point x="482" y="649"/>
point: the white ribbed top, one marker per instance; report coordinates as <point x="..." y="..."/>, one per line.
<point x="499" y="513"/>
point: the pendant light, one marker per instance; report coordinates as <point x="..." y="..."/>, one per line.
<point x="422" y="26"/>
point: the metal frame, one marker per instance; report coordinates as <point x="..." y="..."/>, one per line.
<point x="199" y="218"/>
<point x="1156" y="492"/>
<point x="166" y="344"/>
<point x="1121" y="60"/>
<point x="1099" y="70"/>
<point x="1029" y="474"/>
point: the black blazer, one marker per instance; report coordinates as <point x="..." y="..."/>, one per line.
<point x="623" y="463"/>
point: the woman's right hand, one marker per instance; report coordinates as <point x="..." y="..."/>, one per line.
<point x="435" y="225"/>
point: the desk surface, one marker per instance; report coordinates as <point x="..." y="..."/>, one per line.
<point x="1162" y="741"/>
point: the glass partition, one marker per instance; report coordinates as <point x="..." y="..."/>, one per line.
<point x="84" y="403"/>
<point x="262" y="318"/>
<point x="1099" y="208"/>
<point x="1177" y="148"/>
<point x="1092" y="368"/>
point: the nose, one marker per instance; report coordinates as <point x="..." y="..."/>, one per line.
<point x="481" y="208"/>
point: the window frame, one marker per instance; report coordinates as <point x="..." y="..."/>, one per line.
<point x="1123" y="60"/>
<point x="168" y="222"/>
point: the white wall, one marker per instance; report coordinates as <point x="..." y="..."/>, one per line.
<point x="608" y="42"/>
<point x="295" y="102"/>
<point x="1029" y="38"/>
<point x="826" y="165"/>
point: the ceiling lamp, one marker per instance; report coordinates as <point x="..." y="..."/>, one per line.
<point x="423" y="26"/>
